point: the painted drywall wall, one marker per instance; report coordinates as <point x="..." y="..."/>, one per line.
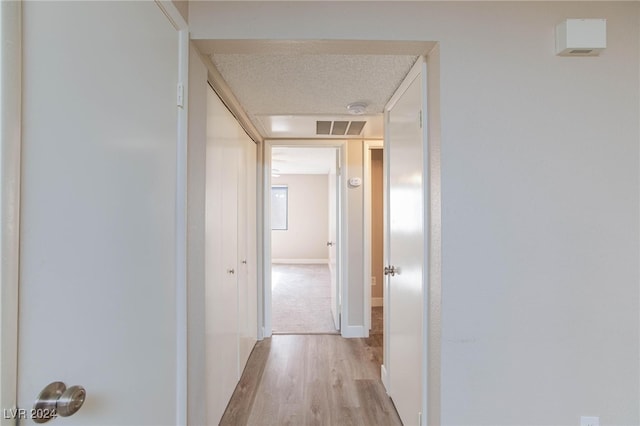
<point x="355" y="235"/>
<point x="98" y="210"/>
<point x="377" y="225"/>
<point x="308" y="221"/>
<point x="540" y="197"/>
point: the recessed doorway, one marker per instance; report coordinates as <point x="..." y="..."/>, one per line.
<point x="374" y="245"/>
<point x="303" y="243"/>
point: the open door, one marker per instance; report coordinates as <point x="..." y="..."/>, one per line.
<point x="407" y="247"/>
<point x="332" y="242"/>
<point x="98" y="262"/>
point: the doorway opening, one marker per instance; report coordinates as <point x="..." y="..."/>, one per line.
<point x="303" y="266"/>
<point x="412" y="302"/>
<point x="374" y="246"/>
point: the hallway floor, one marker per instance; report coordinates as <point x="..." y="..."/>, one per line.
<point x="312" y="380"/>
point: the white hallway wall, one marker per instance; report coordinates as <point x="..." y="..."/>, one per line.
<point x="540" y="197"/>
<point x="306" y="236"/>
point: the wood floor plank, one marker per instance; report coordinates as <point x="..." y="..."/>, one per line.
<point x="380" y="409"/>
<point x="312" y="380"/>
<point x="246" y="390"/>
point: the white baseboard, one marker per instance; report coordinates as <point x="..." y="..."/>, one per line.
<point x="384" y="377"/>
<point x="353" y="331"/>
<point x="302" y="261"/>
<point x="376" y="302"/>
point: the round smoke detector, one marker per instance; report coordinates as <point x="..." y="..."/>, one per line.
<point x="357" y="108"/>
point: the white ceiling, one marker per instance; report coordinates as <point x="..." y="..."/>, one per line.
<point x="285" y="86"/>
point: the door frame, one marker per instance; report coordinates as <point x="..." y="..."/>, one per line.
<point x="432" y="270"/>
<point x="181" y="291"/>
<point x="369" y="145"/>
<point x="182" y="133"/>
<point x="264" y="322"/>
<point x="11" y="124"/>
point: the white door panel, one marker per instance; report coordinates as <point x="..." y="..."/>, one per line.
<point x="98" y="266"/>
<point x="221" y="286"/>
<point x="247" y="278"/>
<point x="230" y="254"/>
<point x="405" y="249"/>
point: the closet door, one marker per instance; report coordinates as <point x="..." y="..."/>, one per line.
<point x="247" y="251"/>
<point x="221" y="265"/>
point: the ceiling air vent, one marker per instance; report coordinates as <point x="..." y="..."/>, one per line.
<point x="323" y="127"/>
<point x="356" y="128"/>
<point x="339" y="128"/>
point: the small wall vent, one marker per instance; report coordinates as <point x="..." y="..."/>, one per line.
<point x="581" y="37"/>
<point x="580" y="51"/>
<point x="339" y="128"/>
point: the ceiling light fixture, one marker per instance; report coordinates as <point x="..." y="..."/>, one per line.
<point x="357" y="108"/>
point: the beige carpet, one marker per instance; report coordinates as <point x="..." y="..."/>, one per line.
<point x="301" y="299"/>
<point x="375" y="340"/>
<point x="376" y="320"/>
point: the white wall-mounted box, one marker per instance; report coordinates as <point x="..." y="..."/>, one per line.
<point x="581" y="37"/>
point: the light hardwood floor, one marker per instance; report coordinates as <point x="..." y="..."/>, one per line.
<point x="312" y="380"/>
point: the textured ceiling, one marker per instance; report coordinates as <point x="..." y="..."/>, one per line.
<point x="283" y="86"/>
<point x="277" y="84"/>
<point x="308" y="87"/>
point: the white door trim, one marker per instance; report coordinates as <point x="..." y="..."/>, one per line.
<point x="10" y="169"/>
<point x="182" y="102"/>
<point x="433" y="195"/>
<point x="368" y="146"/>
<point x="265" y="189"/>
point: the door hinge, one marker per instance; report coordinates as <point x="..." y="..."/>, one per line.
<point x="420" y="418"/>
<point x="180" y="99"/>
<point x="421" y="119"/>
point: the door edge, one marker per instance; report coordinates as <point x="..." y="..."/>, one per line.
<point x="11" y="124"/>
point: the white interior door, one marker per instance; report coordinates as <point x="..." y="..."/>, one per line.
<point x="98" y="215"/>
<point x="221" y="253"/>
<point x="405" y="248"/>
<point x="247" y="250"/>
<point x="332" y="242"/>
